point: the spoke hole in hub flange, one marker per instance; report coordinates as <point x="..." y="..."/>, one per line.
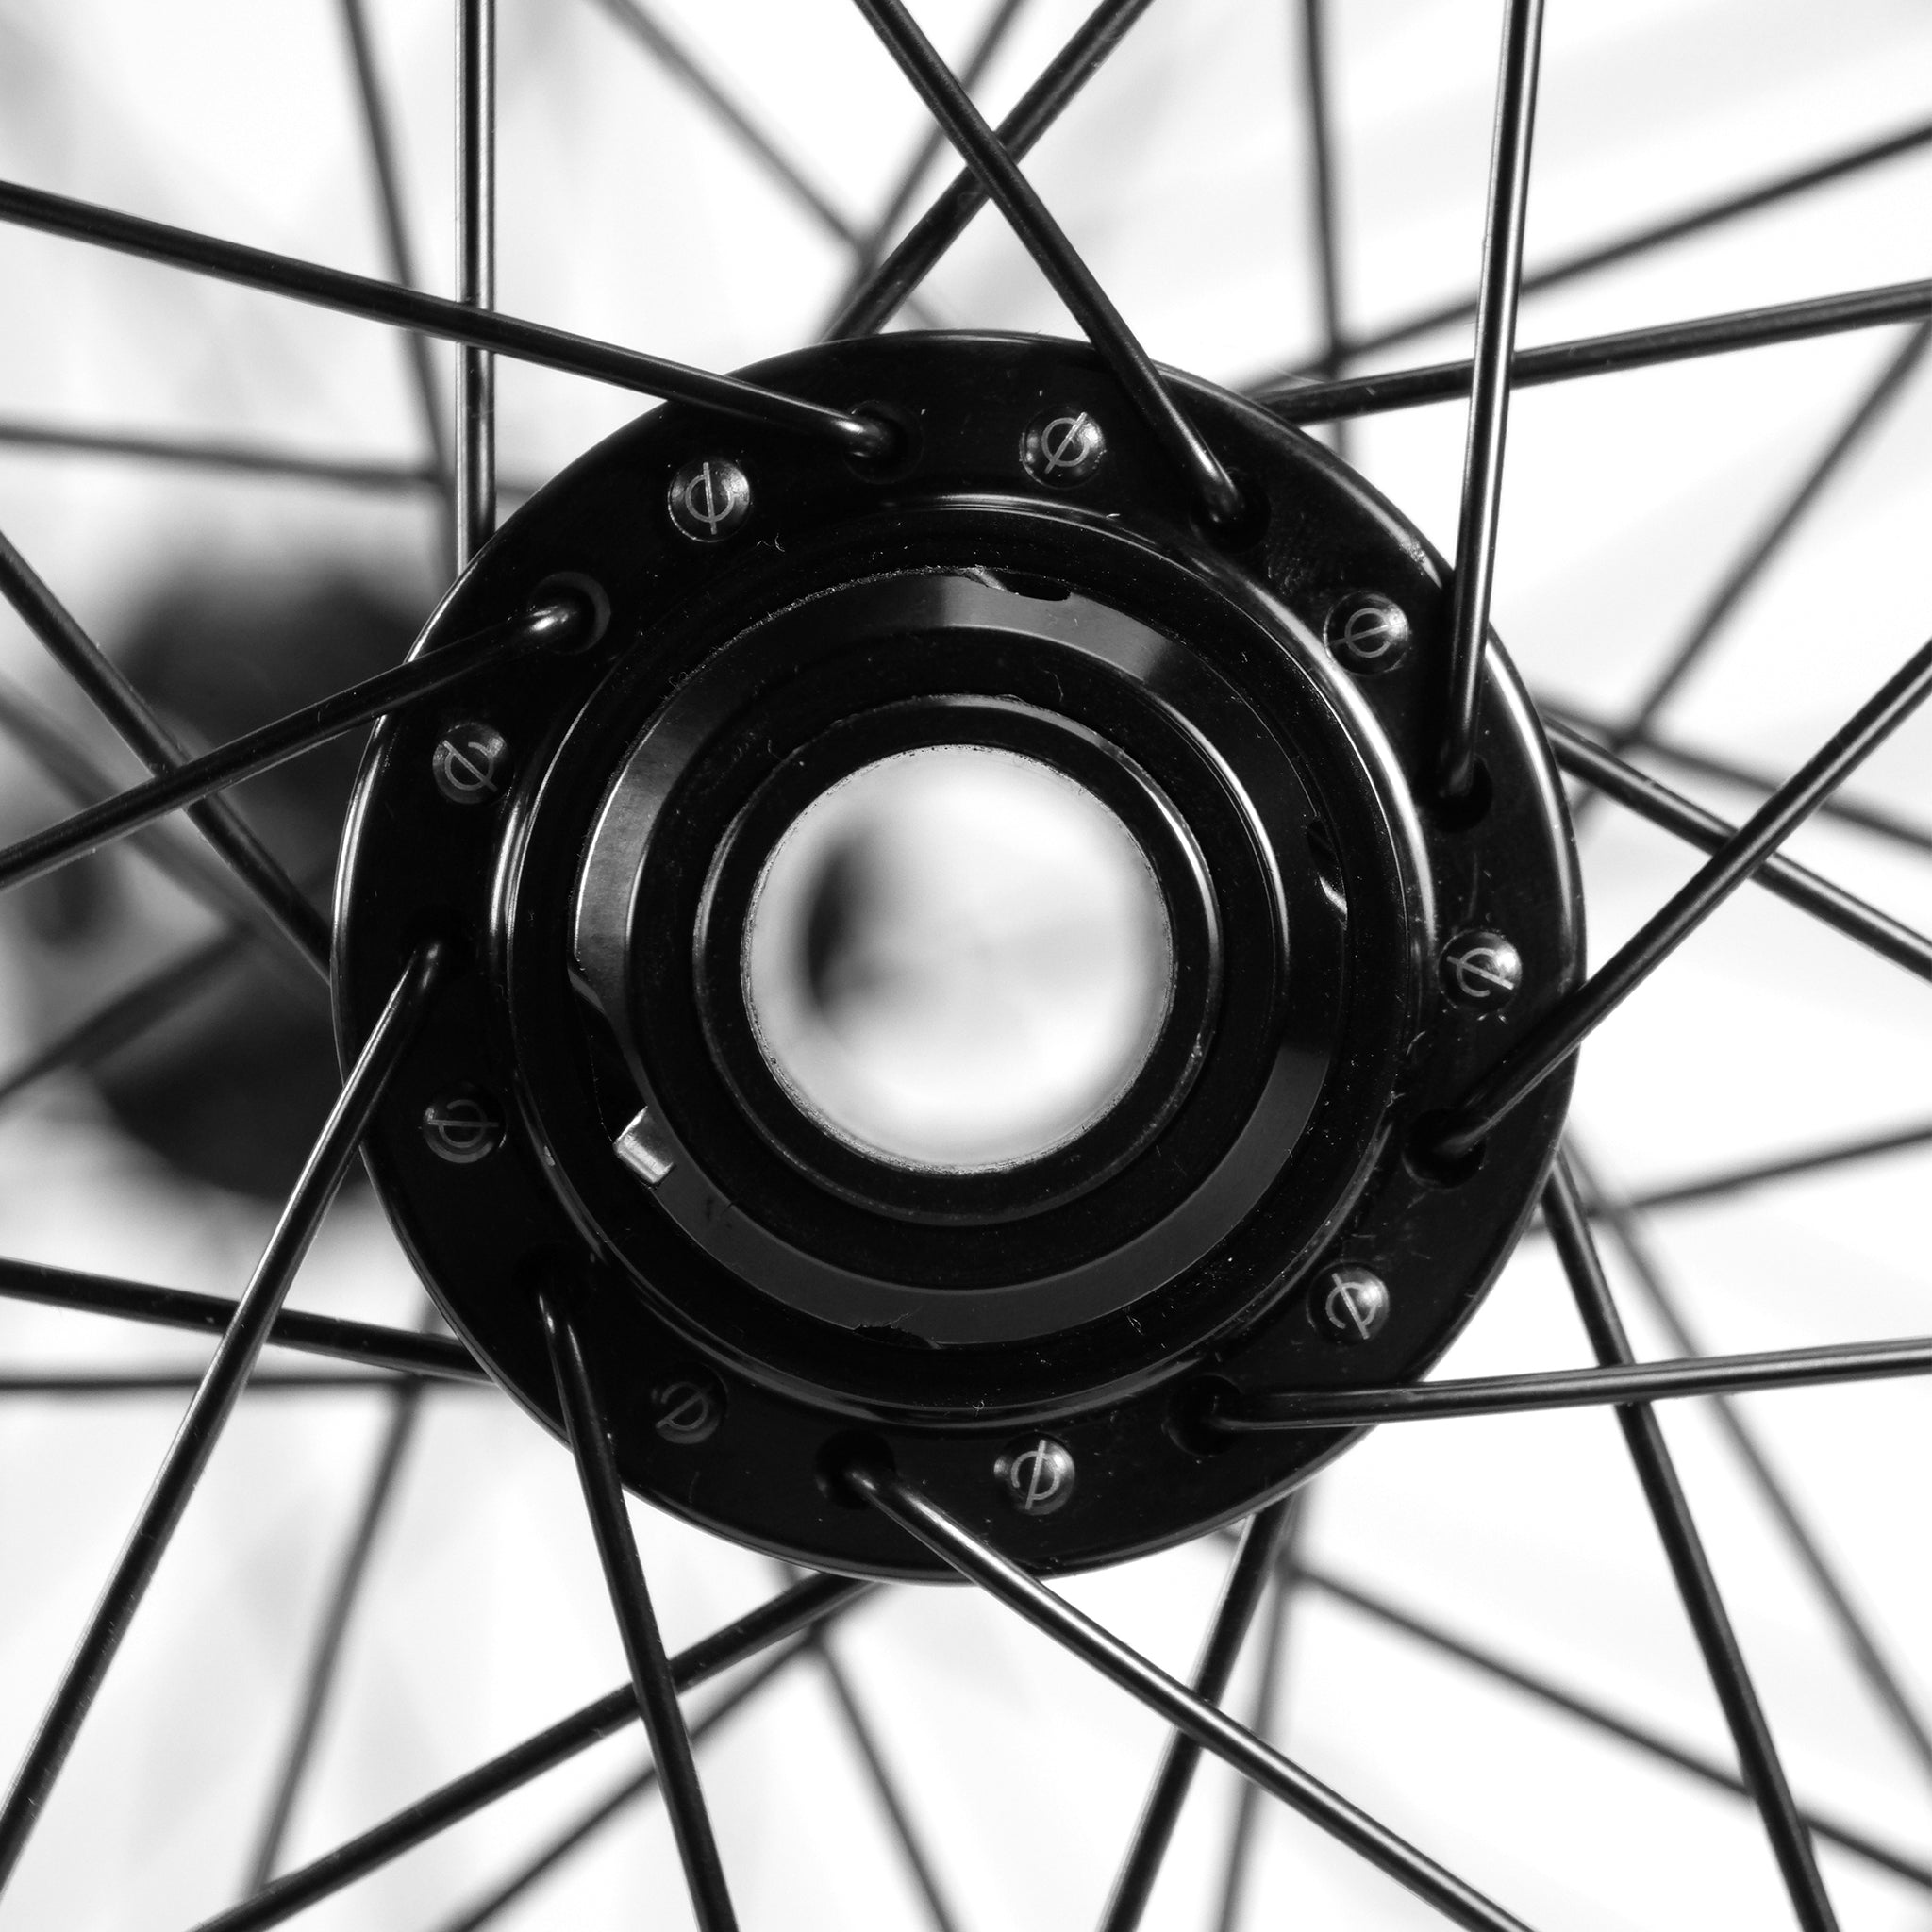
<point x="956" y="959"/>
<point x="849" y="1450"/>
<point x="899" y="457"/>
<point x="1248" y="525"/>
<point x="1468" y="810"/>
<point x="1426" y="1159"/>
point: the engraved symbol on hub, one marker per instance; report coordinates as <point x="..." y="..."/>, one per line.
<point x="708" y="499"/>
<point x="462" y="1127"/>
<point x="1354" y="1304"/>
<point x="1367" y="632"/>
<point x="1481" y="969"/>
<point x="688" y="1409"/>
<point x="1037" y="1474"/>
<point x="1063" y="447"/>
<point x="469" y="764"/>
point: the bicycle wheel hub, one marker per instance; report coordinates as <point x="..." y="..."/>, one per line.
<point x="961" y="959"/>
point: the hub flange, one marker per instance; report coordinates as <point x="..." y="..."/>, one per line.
<point x="1037" y="1339"/>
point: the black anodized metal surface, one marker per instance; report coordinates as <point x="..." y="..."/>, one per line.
<point x="1240" y="670"/>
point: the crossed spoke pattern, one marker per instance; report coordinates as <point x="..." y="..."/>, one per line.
<point x="1268" y="1569"/>
<point x="215" y="1397"/>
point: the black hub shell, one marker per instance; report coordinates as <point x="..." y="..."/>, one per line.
<point x="812" y="1294"/>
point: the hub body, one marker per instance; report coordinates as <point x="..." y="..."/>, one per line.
<point x="1037" y="1339"/>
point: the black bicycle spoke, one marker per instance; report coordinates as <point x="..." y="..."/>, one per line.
<point x="1257" y="1559"/>
<point x="1548" y="1044"/>
<point x="406" y="1410"/>
<point x="890" y="284"/>
<point x="871" y="244"/>
<point x="1322" y="170"/>
<point x="61" y="1383"/>
<point x="1784" y="1167"/>
<point x="475" y="465"/>
<point x="885" y="1784"/>
<point x="1765" y="548"/>
<point x="1599" y="1717"/>
<point x="213" y="1403"/>
<point x="1044" y="239"/>
<point x="378" y="140"/>
<point x="384" y="302"/>
<point x="1173" y="1701"/>
<point x="1854" y="1627"/>
<point x="159" y="751"/>
<point x="1498" y="288"/>
<point x="1726" y="771"/>
<point x="785" y="1615"/>
<point x="1795" y="884"/>
<point x="173" y="851"/>
<point x="636" y="1622"/>
<point x="413" y="682"/>
<point x="641" y="1785"/>
<point x="1670" y="1509"/>
<point x="1638" y="348"/>
<point x="117" y="1021"/>
<point x="368" y="1345"/>
<point x="1265" y="1722"/>
<point x="1263" y="1409"/>
<point x="1640" y="241"/>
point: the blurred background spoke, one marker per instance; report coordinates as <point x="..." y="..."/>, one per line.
<point x="1762" y="552"/>
<point x="1852" y="1621"/>
<point x="208" y="453"/>
<point x="1730" y="1677"/>
<point x="1266" y="1720"/>
<point x="1477" y="1657"/>
<point x="869" y="246"/>
<point x="399" y="249"/>
<point x="781" y="1617"/>
<point x="1785" y="1167"/>
<point x="333" y="1630"/>
<point x="650" y="32"/>
<point x="885" y="1784"/>
<point x="213" y="1403"/>
<point x="1259" y="1560"/>
<point x="1318" y="122"/>
<point x="614" y="1803"/>
<point x="118" y="701"/>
